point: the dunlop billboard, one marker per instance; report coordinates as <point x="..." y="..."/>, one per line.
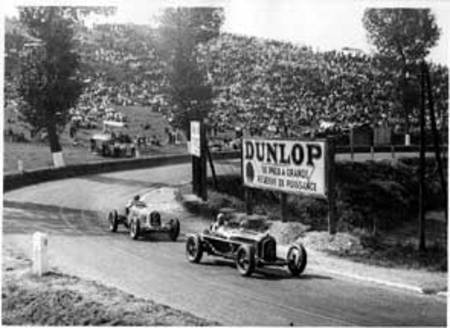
<point x="293" y="166"/>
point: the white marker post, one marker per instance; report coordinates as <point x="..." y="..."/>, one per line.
<point x="407" y="139"/>
<point x="58" y="159"/>
<point x="20" y="166"/>
<point x="40" y="253"/>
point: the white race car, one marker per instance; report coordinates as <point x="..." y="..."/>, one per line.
<point x="140" y="220"/>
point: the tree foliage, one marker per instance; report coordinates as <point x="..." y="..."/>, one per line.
<point x="182" y="30"/>
<point x="403" y="36"/>
<point x="406" y="34"/>
<point x="49" y="72"/>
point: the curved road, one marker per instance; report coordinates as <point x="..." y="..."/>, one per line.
<point x="72" y="212"/>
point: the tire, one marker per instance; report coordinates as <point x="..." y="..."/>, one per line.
<point x="194" y="249"/>
<point x="245" y="260"/>
<point x="134" y="229"/>
<point x="113" y="221"/>
<point x="174" y="229"/>
<point x="296" y="259"/>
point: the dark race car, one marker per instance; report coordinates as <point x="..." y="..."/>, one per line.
<point x="247" y="248"/>
<point x="140" y="219"/>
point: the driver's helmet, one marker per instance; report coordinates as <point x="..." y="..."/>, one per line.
<point x="137" y="198"/>
<point x="220" y="219"/>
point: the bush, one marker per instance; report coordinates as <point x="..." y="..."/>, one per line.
<point x="371" y="196"/>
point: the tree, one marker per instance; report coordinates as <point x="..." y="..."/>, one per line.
<point x="182" y="30"/>
<point x="404" y="36"/>
<point x="49" y="72"/>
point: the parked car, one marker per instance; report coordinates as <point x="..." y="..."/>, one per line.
<point x="110" y="143"/>
<point x="142" y="220"/>
<point x="249" y="249"/>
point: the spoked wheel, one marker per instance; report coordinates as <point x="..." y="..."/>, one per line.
<point x="296" y="259"/>
<point x="245" y="260"/>
<point x="174" y="229"/>
<point x="113" y="221"/>
<point x="194" y="249"/>
<point x="134" y="229"/>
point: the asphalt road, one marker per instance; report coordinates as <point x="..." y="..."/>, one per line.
<point x="71" y="211"/>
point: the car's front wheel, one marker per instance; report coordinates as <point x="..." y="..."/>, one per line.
<point x="194" y="249"/>
<point x="296" y="259"/>
<point x="113" y="221"/>
<point x="134" y="229"/>
<point x="245" y="260"/>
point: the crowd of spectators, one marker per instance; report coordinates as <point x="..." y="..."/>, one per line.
<point x="271" y="87"/>
<point x="122" y="69"/>
<point x="265" y="87"/>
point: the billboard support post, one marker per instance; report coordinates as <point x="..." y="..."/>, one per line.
<point x="202" y="159"/>
<point x="283" y="204"/>
<point x="197" y="148"/>
<point x="331" y="190"/>
<point x="248" y="201"/>
<point x="213" y="170"/>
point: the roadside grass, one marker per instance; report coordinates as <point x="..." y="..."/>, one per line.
<point x="377" y="210"/>
<point x="36" y="154"/>
<point x="57" y="299"/>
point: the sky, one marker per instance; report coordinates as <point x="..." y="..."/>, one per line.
<point x="321" y="24"/>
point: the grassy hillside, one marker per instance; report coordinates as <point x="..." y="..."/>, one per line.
<point x="36" y="154"/>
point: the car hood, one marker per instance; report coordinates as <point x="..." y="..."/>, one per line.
<point x="245" y="235"/>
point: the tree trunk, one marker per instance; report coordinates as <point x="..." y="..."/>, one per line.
<point x="55" y="146"/>
<point x="53" y="138"/>
<point x="436" y="137"/>
<point x="422" y="245"/>
<point x="404" y="100"/>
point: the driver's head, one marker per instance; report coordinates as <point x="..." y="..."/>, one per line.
<point x="220" y="218"/>
<point x="137" y="197"/>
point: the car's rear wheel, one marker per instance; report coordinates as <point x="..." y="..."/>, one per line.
<point x="113" y="220"/>
<point x="134" y="229"/>
<point x="194" y="249"/>
<point x="174" y="231"/>
<point x="296" y="259"/>
<point x="245" y="260"/>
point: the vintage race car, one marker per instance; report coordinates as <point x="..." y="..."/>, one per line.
<point x="140" y="220"/>
<point x="115" y="144"/>
<point x="247" y="248"/>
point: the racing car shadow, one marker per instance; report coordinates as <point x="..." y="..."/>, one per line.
<point x="153" y="237"/>
<point x="278" y="273"/>
<point x="265" y="273"/>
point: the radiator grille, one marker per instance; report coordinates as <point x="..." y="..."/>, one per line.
<point x="269" y="249"/>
